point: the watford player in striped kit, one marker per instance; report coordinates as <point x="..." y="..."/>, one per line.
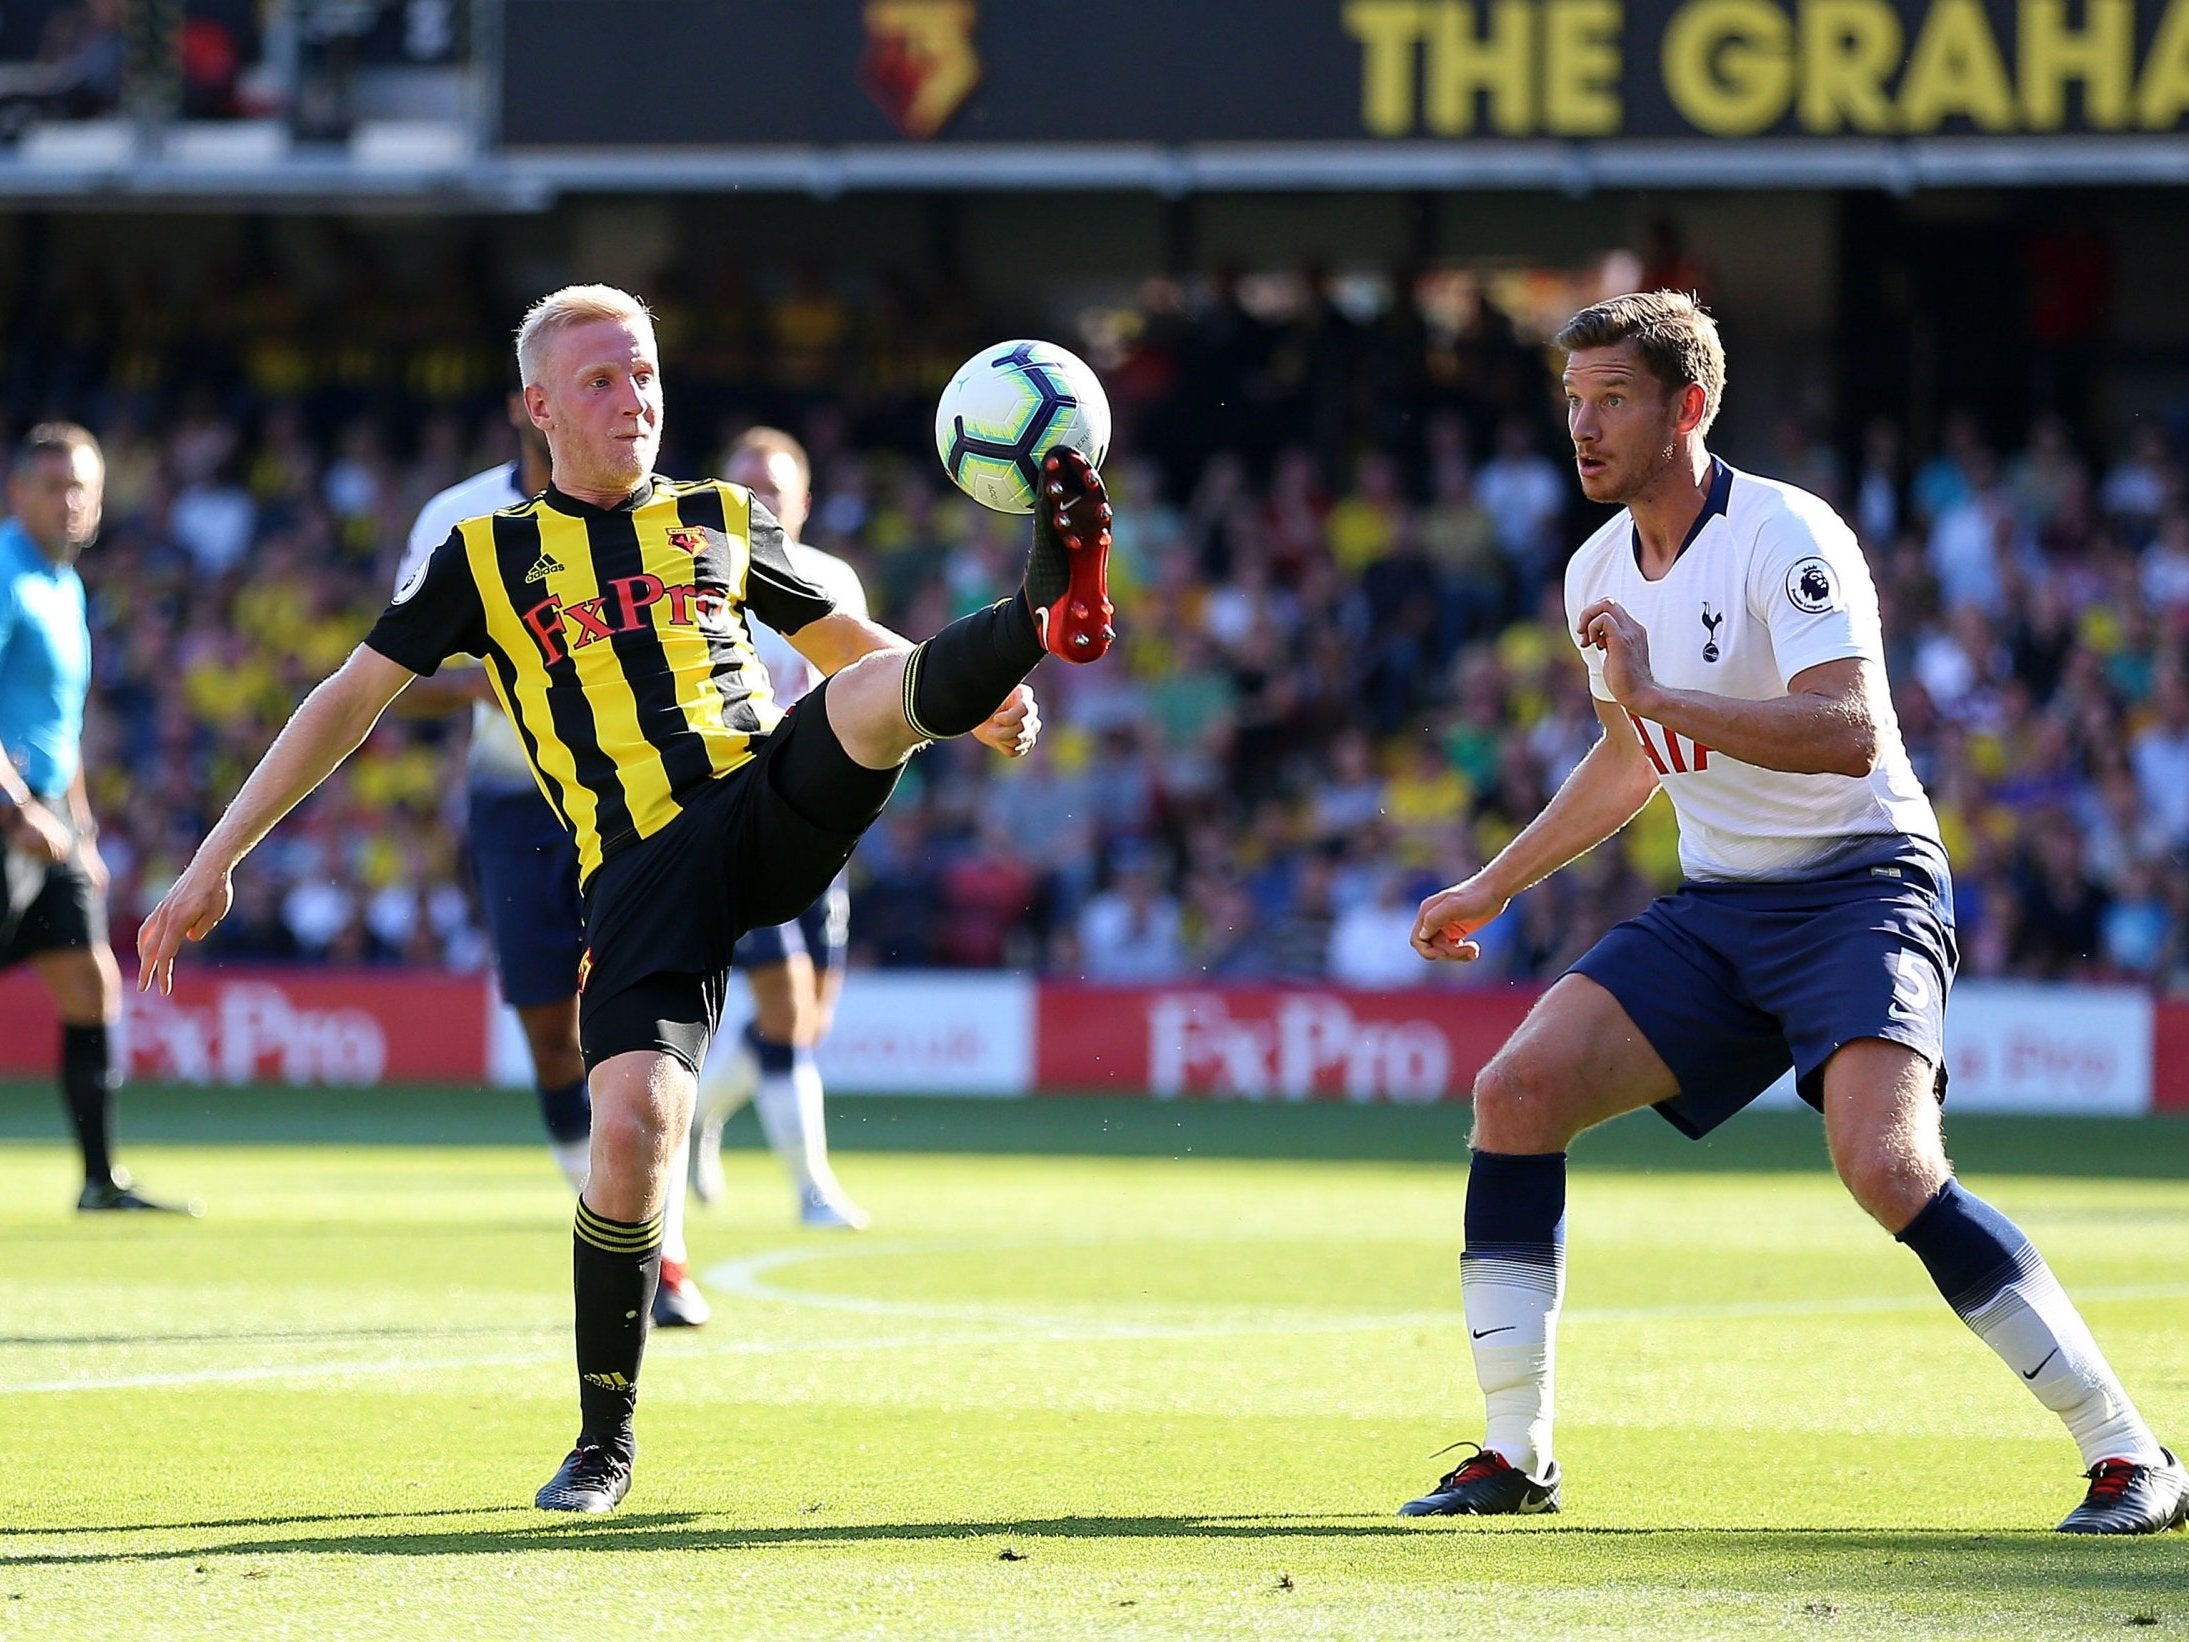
<point x="611" y="613"/>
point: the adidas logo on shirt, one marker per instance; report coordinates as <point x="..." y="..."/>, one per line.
<point x="542" y="568"/>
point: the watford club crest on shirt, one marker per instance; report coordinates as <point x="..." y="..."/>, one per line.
<point x="920" y="64"/>
<point x="688" y="539"/>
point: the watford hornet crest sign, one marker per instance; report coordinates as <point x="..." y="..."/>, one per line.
<point x="920" y="63"/>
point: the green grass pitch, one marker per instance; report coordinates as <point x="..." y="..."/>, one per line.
<point x="1102" y="1370"/>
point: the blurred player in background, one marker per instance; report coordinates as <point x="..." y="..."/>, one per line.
<point x="1736" y="655"/>
<point x="795" y="970"/>
<point x="526" y="865"/>
<point x="701" y="809"/>
<point x="53" y="893"/>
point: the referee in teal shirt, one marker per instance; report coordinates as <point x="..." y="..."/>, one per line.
<point x="53" y="894"/>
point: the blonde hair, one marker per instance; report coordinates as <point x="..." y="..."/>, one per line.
<point x="572" y="305"/>
<point x="765" y="442"/>
<point x="1676" y="337"/>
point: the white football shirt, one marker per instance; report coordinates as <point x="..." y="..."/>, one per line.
<point x="789" y="672"/>
<point x="1770" y="583"/>
<point x="497" y="756"/>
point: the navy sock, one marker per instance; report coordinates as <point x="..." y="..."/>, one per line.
<point x="1517" y="1201"/>
<point x="615" y="1268"/>
<point x="567" y="1112"/>
<point x="87" y="1089"/>
<point x="1971" y="1250"/>
<point x="772" y="1056"/>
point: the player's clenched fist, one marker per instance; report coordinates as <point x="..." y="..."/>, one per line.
<point x="1449" y="917"/>
<point x="198" y="901"/>
<point x="1610" y="629"/>
<point x="1013" y="728"/>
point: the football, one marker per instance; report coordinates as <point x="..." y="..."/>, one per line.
<point x="1009" y="406"/>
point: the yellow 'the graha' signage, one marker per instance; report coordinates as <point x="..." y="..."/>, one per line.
<point x="1743" y="68"/>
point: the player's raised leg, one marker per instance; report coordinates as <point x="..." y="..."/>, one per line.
<point x="1576" y="1061"/>
<point x="887" y="704"/>
<point x="1881" y="1117"/>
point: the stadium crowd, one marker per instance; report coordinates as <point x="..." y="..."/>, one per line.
<point x="1344" y="677"/>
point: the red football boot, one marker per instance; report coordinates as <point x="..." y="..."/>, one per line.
<point x="1068" y="571"/>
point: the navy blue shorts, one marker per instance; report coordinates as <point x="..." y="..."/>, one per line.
<point x="527" y="869"/>
<point x="821" y="932"/>
<point x="1732" y="983"/>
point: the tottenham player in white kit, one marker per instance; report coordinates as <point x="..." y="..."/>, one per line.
<point x="1732" y="639"/>
<point x="795" y="970"/>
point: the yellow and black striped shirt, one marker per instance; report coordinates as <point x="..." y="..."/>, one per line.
<point x="617" y="641"/>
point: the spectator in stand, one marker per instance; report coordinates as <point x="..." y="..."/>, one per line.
<point x="1460" y="539"/>
<point x="1945" y="479"/>
<point x="2160" y="754"/>
<point x="2133" y="928"/>
<point x="1805" y="460"/>
<point x="2142" y="485"/>
<point x="2049" y="476"/>
<point x="2164" y="577"/>
<point x="1221" y="934"/>
<point x="1299" y="936"/>
<point x="1524" y="492"/>
<point x="1131" y="932"/>
<point x="1877" y="493"/>
<point x="2059" y="935"/>
<point x="1350" y="797"/>
<point x="1973" y="535"/>
<point x="1369" y="939"/>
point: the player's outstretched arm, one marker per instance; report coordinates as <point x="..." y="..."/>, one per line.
<point x="1606" y="790"/>
<point x="329" y="725"/>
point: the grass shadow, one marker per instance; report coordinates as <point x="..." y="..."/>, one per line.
<point x="1759" y="1559"/>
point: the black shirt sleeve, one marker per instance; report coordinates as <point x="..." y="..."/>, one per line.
<point x="436" y="613"/>
<point x="775" y="592"/>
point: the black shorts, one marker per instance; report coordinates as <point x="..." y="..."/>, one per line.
<point x="48" y="908"/>
<point x="757" y="846"/>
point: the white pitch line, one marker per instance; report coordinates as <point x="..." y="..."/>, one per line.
<point x="1046" y="1332"/>
<point x="748" y="1278"/>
